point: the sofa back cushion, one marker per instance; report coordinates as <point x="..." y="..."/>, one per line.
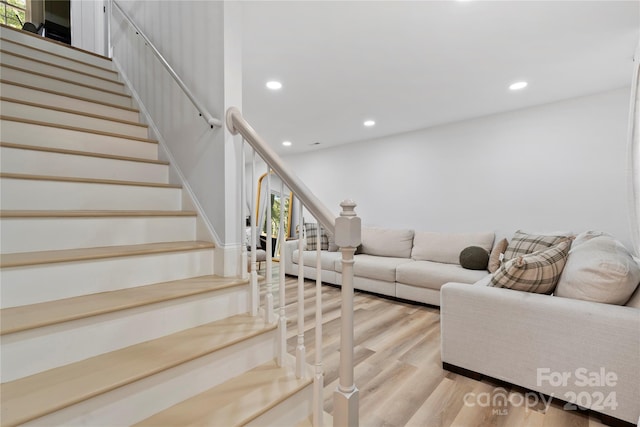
<point x="386" y="242"/>
<point x="599" y="269"/>
<point x="446" y="247"/>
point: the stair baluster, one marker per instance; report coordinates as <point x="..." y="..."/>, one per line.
<point x="255" y="294"/>
<point x="318" y="379"/>
<point x="282" y="319"/>
<point x="301" y="352"/>
<point x="269" y="315"/>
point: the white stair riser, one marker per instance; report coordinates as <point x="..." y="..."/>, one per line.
<point x="25" y="194"/>
<point x="46" y="45"/>
<point x="16" y="160"/>
<point x="76" y="340"/>
<point x="60" y="101"/>
<point x="69" y="87"/>
<point x="48" y="234"/>
<point x="46" y="136"/>
<point x="55" y="71"/>
<point x="49" y="282"/>
<point x="289" y="412"/>
<point x="44" y="114"/>
<point x="50" y="58"/>
<point x="133" y="403"/>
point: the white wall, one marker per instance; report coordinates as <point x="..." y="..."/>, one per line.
<point x="559" y="166"/>
<point x="201" y="40"/>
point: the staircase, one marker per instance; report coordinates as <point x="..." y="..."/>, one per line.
<point x="111" y="313"/>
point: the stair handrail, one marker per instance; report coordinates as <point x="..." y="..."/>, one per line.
<point x="236" y="123"/>
<point x="204" y="113"/>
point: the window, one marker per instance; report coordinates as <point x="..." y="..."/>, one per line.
<point x="13" y="12"/>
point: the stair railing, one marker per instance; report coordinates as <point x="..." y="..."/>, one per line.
<point x="204" y="113"/>
<point x="346" y="229"/>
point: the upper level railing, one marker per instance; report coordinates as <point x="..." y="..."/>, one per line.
<point x="204" y="113"/>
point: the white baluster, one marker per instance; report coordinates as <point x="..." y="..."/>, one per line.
<point x="255" y="294"/>
<point x="242" y="227"/>
<point x="318" y="379"/>
<point x="301" y="352"/>
<point x="345" y="398"/>
<point x="269" y="315"/>
<point x="282" y="320"/>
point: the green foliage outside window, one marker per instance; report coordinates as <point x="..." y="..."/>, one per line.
<point x="13" y="12"/>
<point x="275" y="215"/>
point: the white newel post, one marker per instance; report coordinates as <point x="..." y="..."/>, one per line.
<point x="347" y="237"/>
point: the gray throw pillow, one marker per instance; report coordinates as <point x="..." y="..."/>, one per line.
<point x="474" y="258"/>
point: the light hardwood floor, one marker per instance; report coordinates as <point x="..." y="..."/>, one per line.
<point x="398" y="368"/>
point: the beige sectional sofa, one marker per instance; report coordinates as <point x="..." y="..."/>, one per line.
<point x="398" y="263"/>
<point x="575" y="349"/>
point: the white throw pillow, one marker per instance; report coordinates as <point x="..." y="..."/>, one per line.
<point x="599" y="269"/>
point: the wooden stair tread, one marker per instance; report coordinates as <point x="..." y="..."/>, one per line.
<point x="85" y="180"/>
<point x="33" y="316"/>
<point x="91" y="214"/>
<point x="77" y="113"/>
<point x="29" y="58"/>
<point x="81" y="153"/>
<point x="40" y="394"/>
<point x="85" y="254"/>
<point x="237" y="401"/>
<point x="327" y="421"/>
<point x="77" y="129"/>
<point x="68" y="95"/>
<point x="35" y="73"/>
<point x="48" y="40"/>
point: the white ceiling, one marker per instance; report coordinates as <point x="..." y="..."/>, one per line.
<point x="415" y="64"/>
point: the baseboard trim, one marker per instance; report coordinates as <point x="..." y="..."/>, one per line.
<point x="605" y="419"/>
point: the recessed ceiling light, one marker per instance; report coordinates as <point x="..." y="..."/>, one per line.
<point x="286" y="143"/>
<point x="369" y="123"/>
<point x="274" y="85"/>
<point x="518" y="85"/>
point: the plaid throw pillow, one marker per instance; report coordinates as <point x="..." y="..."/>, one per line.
<point x="523" y="244"/>
<point x="538" y="272"/>
<point x="311" y="231"/>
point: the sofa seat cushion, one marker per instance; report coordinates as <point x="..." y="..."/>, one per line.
<point x="432" y="275"/>
<point x="374" y="267"/>
<point x="446" y="247"/>
<point x="327" y="259"/>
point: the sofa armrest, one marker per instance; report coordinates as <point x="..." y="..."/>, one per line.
<point x="528" y="339"/>
<point x="290" y="246"/>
